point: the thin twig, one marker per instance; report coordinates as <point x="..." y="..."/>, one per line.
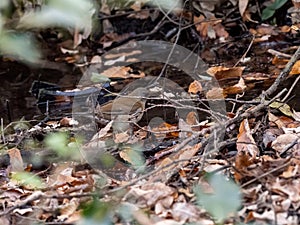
<point x="291" y="89"/>
<point x="2" y="132"/>
<point x="281" y="77"/>
<point x="246" y="52"/>
<point x="265" y="174"/>
<point x="277" y="53"/>
<point x="288" y="147"/>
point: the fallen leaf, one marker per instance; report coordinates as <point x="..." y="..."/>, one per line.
<point x="276" y="120"/>
<point x="284" y="140"/>
<point x="221" y="72"/>
<point x="121" y="72"/>
<point x="16" y="160"/>
<point x="282" y="107"/>
<point x="195" y="87"/>
<point x="215" y="93"/>
<point x="238" y="88"/>
<point x="243" y="6"/>
<point x="290" y="172"/>
<point x="210" y="28"/>
<point x="247" y="149"/>
<point x="68" y="122"/>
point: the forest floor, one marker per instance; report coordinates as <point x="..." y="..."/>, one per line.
<point x="155" y="117"/>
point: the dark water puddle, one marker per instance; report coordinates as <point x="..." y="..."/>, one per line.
<point x="16" y="80"/>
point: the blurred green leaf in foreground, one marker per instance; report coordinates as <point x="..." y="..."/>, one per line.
<point x="224" y="199"/>
<point x="57" y="13"/>
<point x="17" y="43"/>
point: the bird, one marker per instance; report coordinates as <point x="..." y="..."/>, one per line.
<point x="125" y="109"/>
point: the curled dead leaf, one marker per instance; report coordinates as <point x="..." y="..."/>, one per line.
<point x="215" y="93"/>
<point x="16" y="160"/>
<point x="221" y="72"/>
<point x="195" y="87"/>
<point x="247" y="150"/>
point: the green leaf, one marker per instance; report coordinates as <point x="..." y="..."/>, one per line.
<point x="67" y="13"/>
<point x="28" y="179"/>
<point x="225" y="199"/>
<point x="59" y="142"/>
<point x="267" y="13"/>
<point x="20" y="46"/>
<point x="22" y="124"/>
<point x="134" y="155"/>
<point x="98" y="78"/>
<point x="4" y="4"/>
<point x="168" y="5"/>
<point x="282" y="107"/>
<point x="96" y="212"/>
<point x="277" y="4"/>
<point x="270" y="10"/>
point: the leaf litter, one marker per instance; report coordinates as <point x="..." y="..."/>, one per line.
<point x="176" y="179"/>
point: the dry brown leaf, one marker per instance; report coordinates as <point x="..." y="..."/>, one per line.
<point x="140" y="15"/>
<point x="121" y="137"/>
<point x="266" y="30"/>
<point x="4" y="220"/>
<point x="121" y="72"/>
<point x="215" y="93"/>
<point x="67" y="122"/>
<point x="221" y="72"/>
<point x="201" y="26"/>
<point x="126" y="155"/>
<point x="107" y="39"/>
<point x="295" y="69"/>
<point x="247" y="17"/>
<point x="137" y="5"/>
<point x="279" y="62"/>
<point x="285" y="29"/>
<point x="247" y="149"/>
<point x="290" y="172"/>
<point x="276" y="120"/>
<point x="68" y="209"/>
<point x="283" y="140"/>
<point x="192" y="118"/>
<point x="16" y="160"/>
<point x="245" y="140"/>
<point x="210" y="29"/>
<point x="290" y="189"/>
<point x="243" y="6"/>
<point x="150" y="193"/>
<point x="96" y="59"/>
<point x="165" y="130"/>
<point x="162" y="206"/>
<point x="238" y="88"/>
<point x="61" y="175"/>
<point x="195" y="87"/>
<point x="220" y="30"/>
<point x="185" y="153"/>
<point x="185" y="212"/>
